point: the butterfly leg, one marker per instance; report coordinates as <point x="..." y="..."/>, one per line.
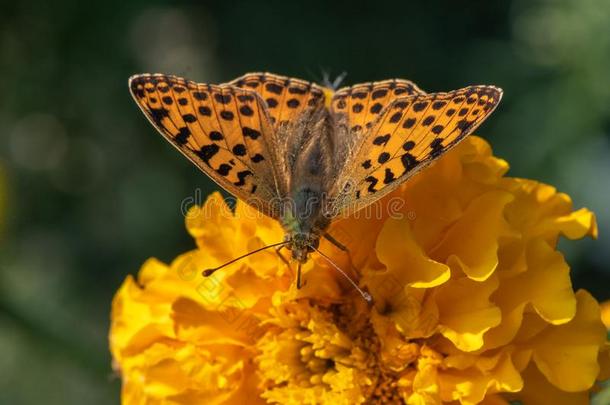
<point x="299" y="281"/>
<point x="340" y="246"/>
<point x="277" y="251"/>
<point x="335" y="242"/>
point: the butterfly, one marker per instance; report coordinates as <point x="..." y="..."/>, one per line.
<point x="302" y="153"/>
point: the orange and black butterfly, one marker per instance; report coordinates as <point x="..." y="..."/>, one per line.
<point x="303" y="154"/>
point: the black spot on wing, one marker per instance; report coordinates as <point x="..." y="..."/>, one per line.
<point x="383" y="157"/>
<point x="274" y="88"/>
<point x="257" y="158"/>
<point x="408" y="161"/>
<point x="224" y="169"/>
<point x="205" y="111"/>
<point x="242" y="177"/>
<point x="245" y="97"/>
<point x="428" y="120"/>
<point x="250" y="132"/>
<point x="409" y="122"/>
<point x="407" y="146"/>
<point x="227" y="115"/>
<point x="389" y="176"/>
<point x="190" y="118"/>
<point x="296" y="90"/>
<point x="216" y="136"/>
<point x="239" y="149"/>
<point x="183" y="136"/>
<point x="463" y="125"/>
<point x="396" y="117"/>
<point x="437" y="105"/>
<point x="379" y="93"/>
<point x="200" y="95"/>
<point x="437" y="147"/>
<point x="437" y="129"/>
<point x="417" y="107"/>
<point x="246" y="110"/>
<point x="207" y="152"/>
<point x="293" y="103"/>
<point x="222" y="98"/>
<point x="372" y="183"/>
<point x="157" y="114"/>
<point x="376" y="108"/>
<point x="381" y="140"/>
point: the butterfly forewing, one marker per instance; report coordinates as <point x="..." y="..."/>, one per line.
<point x="224" y="130"/>
<point x="409" y="133"/>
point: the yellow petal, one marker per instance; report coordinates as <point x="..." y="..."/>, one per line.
<point x="473" y="239"/>
<point x="537" y="390"/>
<point x="545" y="284"/>
<point x="605" y="310"/>
<point x="567" y="354"/>
<point x="229" y="323"/>
<point x="472" y="384"/>
<point x="465" y="311"/>
<point x="407" y="264"/>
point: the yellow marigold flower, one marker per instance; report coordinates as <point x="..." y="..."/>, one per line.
<point x="605" y="308"/>
<point x="473" y="304"/>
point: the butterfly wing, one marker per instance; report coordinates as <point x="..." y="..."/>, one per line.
<point x="363" y="103"/>
<point x="286" y="98"/>
<point x="293" y="106"/>
<point x="223" y="130"/>
<point x="408" y="134"/>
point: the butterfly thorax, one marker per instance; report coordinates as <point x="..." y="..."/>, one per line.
<point x="304" y="217"/>
<point x="311" y="171"/>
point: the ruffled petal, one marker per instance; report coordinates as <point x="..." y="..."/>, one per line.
<point x="466" y="312"/>
<point x="472" y="241"/>
<point x="567" y="355"/>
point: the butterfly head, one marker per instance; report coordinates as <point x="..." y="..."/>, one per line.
<point x="301" y="244"/>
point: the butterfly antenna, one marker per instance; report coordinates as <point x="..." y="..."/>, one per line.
<point x="338" y="80"/>
<point x="367" y="297"/>
<point x="325" y="81"/>
<point x="209" y="272"/>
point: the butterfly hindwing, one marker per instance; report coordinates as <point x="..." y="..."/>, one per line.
<point x="363" y="103"/>
<point x="286" y="98"/>
<point x="410" y="133"/>
<point x="223" y="129"/>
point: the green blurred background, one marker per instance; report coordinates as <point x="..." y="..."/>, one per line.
<point x="89" y="190"/>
